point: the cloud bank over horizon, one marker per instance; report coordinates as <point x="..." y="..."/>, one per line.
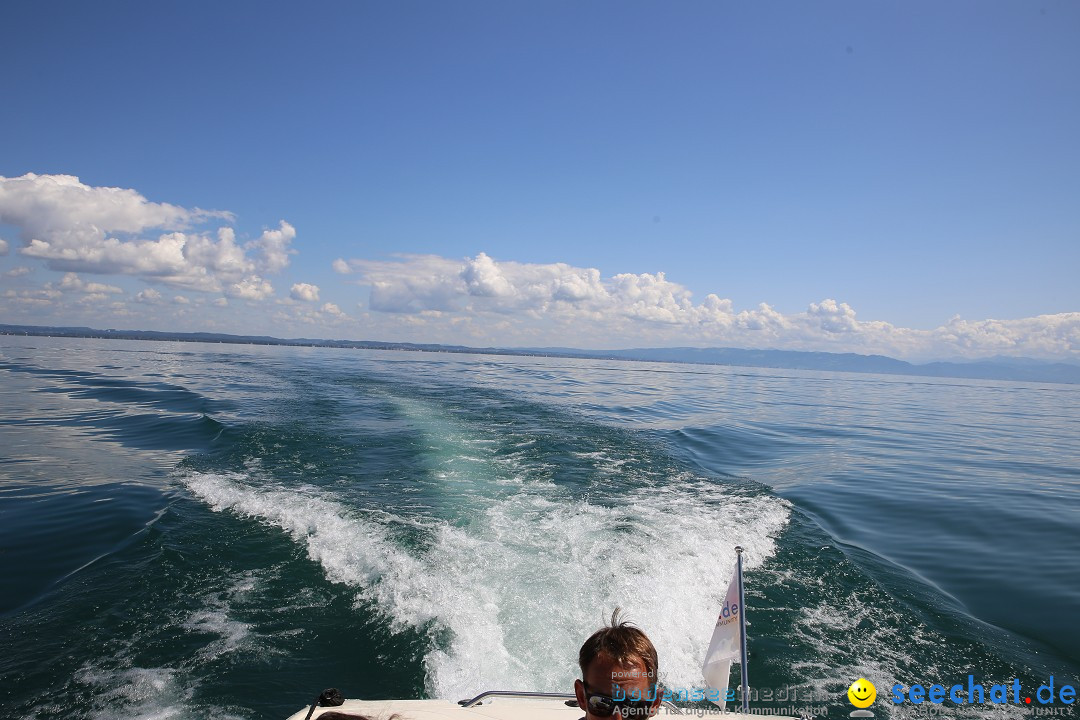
<point x="70" y="228"/>
<point x="641" y="309"/>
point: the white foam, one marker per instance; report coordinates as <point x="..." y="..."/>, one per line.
<point x="120" y="689"/>
<point x="136" y="693"/>
<point x="880" y="646"/>
<point x="216" y="618"/>
<point x="534" y="572"/>
<point x="350" y="549"/>
<point x="550" y="573"/>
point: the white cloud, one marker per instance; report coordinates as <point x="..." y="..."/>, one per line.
<point x="17" y="272"/>
<point x="1045" y="335"/>
<point x="413" y="283"/>
<point x="302" y="318"/>
<point x="483" y="277"/>
<point x="181" y="300"/>
<point x="272" y="248"/>
<point x="332" y="310"/>
<point x="340" y="266"/>
<point x="76" y="227"/>
<point x="305" y="292"/>
<point x="71" y="282"/>
<point x="4" y="247"/>
<point x="45" y="204"/>
<point x="220" y="257"/>
<point x="93" y="299"/>
<point x="149" y="295"/>
<point x="43" y="297"/>
<point x="432" y="296"/>
<point x="833" y="317"/>
<point x="251" y="288"/>
<point x="221" y="302"/>
<point x="418" y="283"/>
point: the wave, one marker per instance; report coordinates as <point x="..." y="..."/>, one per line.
<point x="509" y="597"/>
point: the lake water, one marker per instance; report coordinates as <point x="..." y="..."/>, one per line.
<point x="191" y="530"/>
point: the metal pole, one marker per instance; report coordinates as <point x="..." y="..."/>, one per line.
<point x="742" y="634"/>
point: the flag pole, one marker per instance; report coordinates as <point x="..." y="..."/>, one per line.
<point x="742" y="633"/>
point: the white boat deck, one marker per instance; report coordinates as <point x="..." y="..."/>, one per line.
<point x="497" y="708"/>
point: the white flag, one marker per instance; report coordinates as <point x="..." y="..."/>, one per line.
<point x="726" y="643"/>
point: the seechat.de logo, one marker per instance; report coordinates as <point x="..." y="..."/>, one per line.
<point x="862" y="694"/>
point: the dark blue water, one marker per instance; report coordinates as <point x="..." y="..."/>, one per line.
<point x="221" y="531"/>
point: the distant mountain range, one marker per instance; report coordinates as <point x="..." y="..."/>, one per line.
<point x="1026" y="369"/>
<point x="996" y="368"/>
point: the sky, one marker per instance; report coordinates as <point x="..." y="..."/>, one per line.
<point x="874" y="177"/>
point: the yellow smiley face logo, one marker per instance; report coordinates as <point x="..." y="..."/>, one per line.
<point x="862" y="693"/>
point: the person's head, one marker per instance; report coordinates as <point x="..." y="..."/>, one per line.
<point x="618" y="661"/>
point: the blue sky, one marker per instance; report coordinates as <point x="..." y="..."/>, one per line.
<point x="887" y="177"/>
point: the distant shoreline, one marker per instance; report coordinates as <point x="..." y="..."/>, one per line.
<point x="1019" y="369"/>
